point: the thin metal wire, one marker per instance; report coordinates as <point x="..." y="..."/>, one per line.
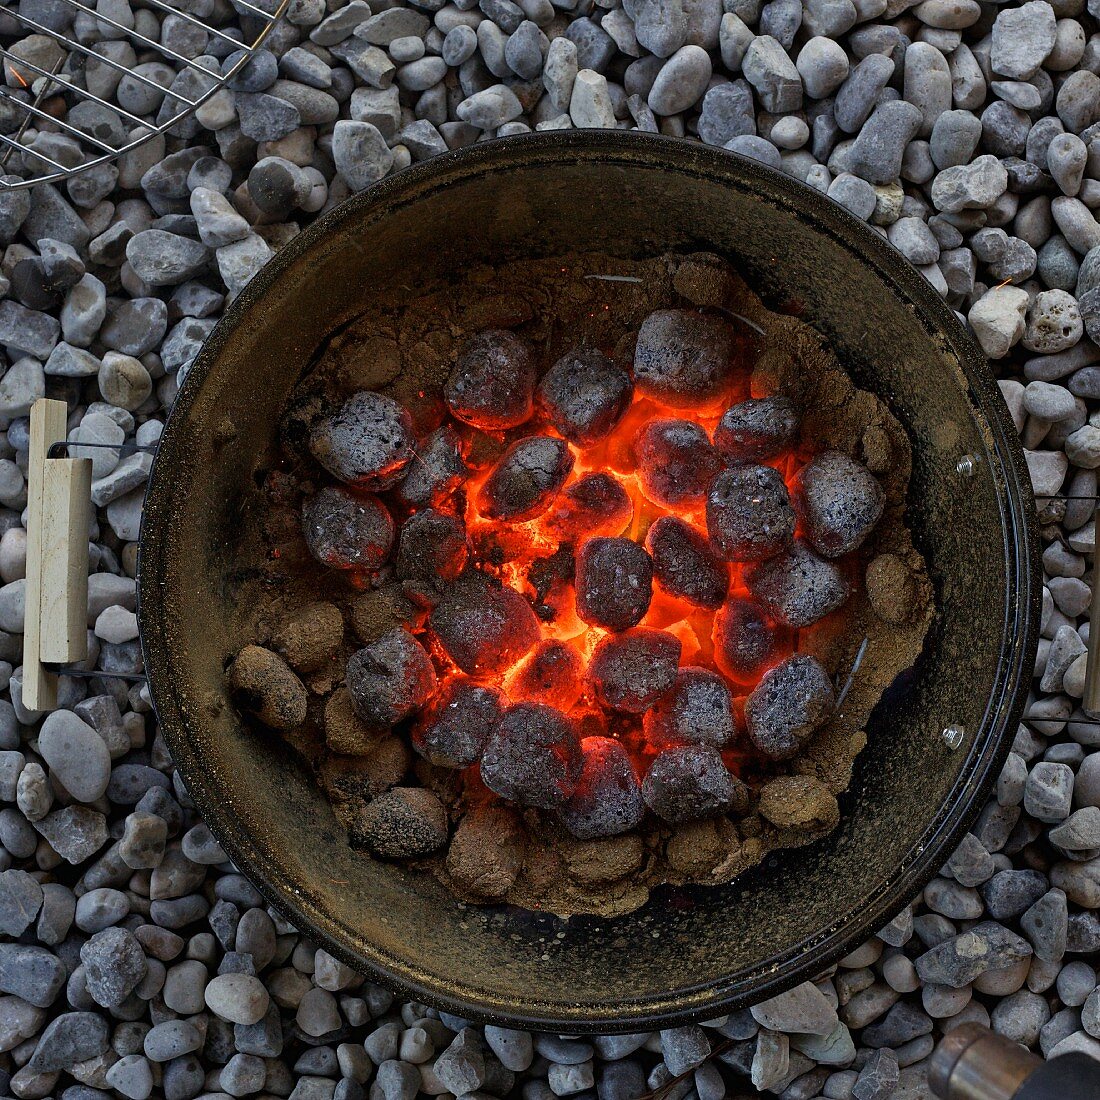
<point x="55" y="79"/>
<point x="66" y="446"/>
<point x="852" y="674"/>
<point x="35" y="166"/>
<point x="187" y="18"/>
<point x="89" y="52"/>
<point x="40" y="97"/>
<point x="12" y="144"/>
<point x="96" y="674"/>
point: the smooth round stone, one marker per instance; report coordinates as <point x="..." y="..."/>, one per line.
<point x="77" y="756"/>
<point x="756" y="148"/>
<point x="116" y="625"/>
<point x="1067" y="156"/>
<point x="13" y="555"/>
<point x="238" y="998"/>
<point x="1048" y="401"/>
<point x="853" y="193"/>
<point x="183" y="987"/>
<point x="681" y="82"/>
<point x="1076" y="980"/>
<point x="318" y="1012"/>
<point x="173" y="1039"/>
<point x="101" y="430"/>
<point x="100" y="908"/>
<point x="459" y="45"/>
<point x="406" y="49"/>
<point x="790" y="133"/>
<point x="823" y="66"/>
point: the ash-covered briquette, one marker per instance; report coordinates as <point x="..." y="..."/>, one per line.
<point x="390" y="679"/>
<point x="453" y="731"/>
<point x="745" y="639"/>
<point x="485" y="627"/>
<point x="437" y="469"/>
<point x="268" y="687"/>
<point x="757" y="429"/>
<point x="492" y="386"/>
<point x="749" y="513"/>
<point x="533" y="757"/>
<point x="614" y="583"/>
<point x="698" y="710"/>
<point x="797" y="587"/>
<point x="584" y="394"/>
<point x="685" y="564"/>
<point x="345" y="529"/>
<point x="431" y="549"/>
<point x="690" y="782"/>
<point x="486" y="853"/>
<point x="684" y="358"/>
<point x="367" y="442"/>
<point x="608" y="799"/>
<point x="791" y="702"/>
<point x="526" y="479"/>
<point x="595" y="504"/>
<point x="308" y="638"/>
<point x="632" y="670"/>
<point x="552" y="673"/>
<point x="402" y="823"/>
<point x="891" y="588"/>
<point x="676" y="462"/>
<point x="839" y="501"/>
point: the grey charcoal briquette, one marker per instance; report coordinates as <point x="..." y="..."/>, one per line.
<point x="583" y="395"/>
<point x="676" y="462"/>
<point x="689" y="783"/>
<point x="749" y="513"/>
<point x="683" y="358"/>
<point x="614" y="582"/>
<point x="789" y="705"/>
<point x="533" y="757"/>
<point x="607" y="799"/>
<point x="367" y="442"/>
<point x="390" y="679"/>
<point x="839" y="501"/>
<point x="526" y="479"/>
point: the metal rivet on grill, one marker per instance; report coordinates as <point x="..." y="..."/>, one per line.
<point x="954" y="736"/>
<point x="967" y="465"/>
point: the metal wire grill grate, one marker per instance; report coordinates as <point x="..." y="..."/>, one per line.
<point x="38" y="100"/>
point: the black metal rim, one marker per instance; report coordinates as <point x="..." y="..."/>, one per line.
<point x="1021" y="548"/>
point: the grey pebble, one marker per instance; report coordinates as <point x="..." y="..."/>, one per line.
<point x="772" y="73"/>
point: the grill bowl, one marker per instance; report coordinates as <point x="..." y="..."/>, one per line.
<point x="689" y="953"/>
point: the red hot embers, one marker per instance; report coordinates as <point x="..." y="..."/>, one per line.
<point x="614" y="568"/>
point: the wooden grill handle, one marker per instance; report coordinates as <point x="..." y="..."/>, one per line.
<point x="58" y="511"/>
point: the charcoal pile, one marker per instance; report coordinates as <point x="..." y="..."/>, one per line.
<point x="606" y="584"/>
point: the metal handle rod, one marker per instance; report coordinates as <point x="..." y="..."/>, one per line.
<point x="974" y="1063"/>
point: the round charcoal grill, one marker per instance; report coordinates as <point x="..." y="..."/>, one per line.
<point x="936" y="742"/>
<point x="36" y="99"/>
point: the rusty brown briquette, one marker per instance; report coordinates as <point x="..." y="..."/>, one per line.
<point x="936" y="742"/>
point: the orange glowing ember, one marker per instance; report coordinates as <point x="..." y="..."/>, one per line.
<point x="604" y="495"/>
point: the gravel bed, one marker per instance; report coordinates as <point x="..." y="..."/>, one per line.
<point x="135" y="959"/>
